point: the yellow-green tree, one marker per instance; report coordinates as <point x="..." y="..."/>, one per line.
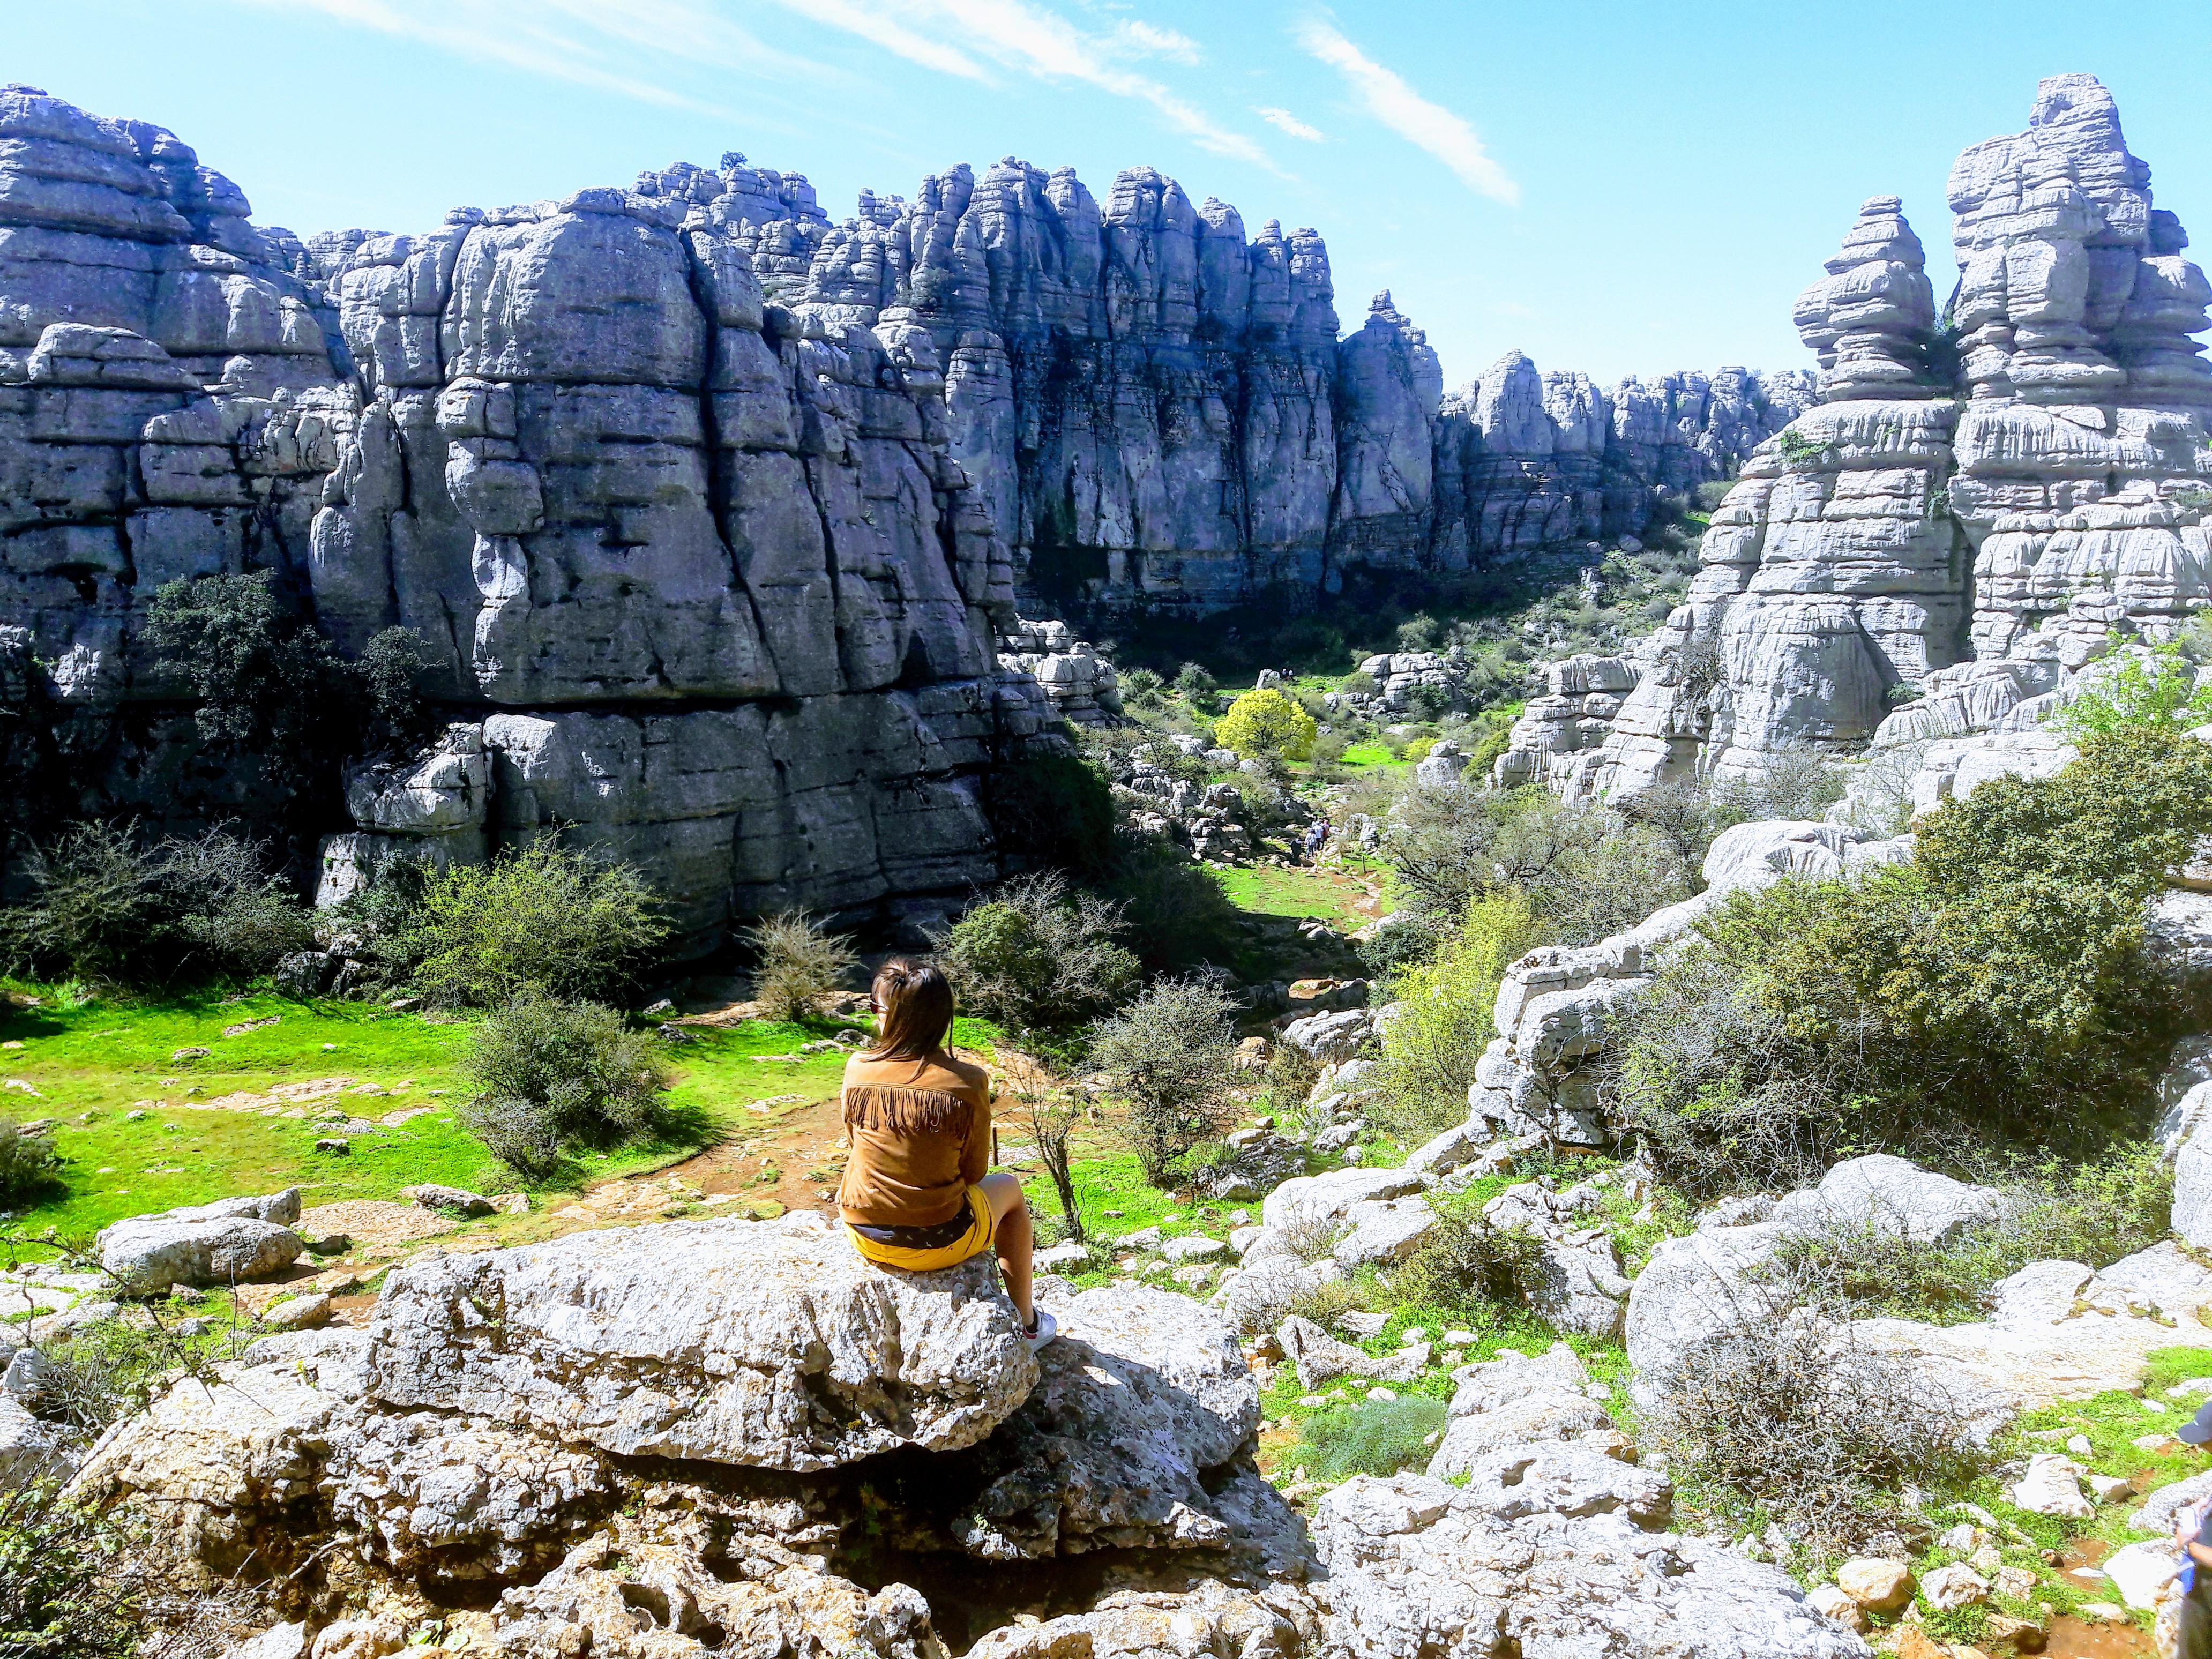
<point x="1267" y="722"/>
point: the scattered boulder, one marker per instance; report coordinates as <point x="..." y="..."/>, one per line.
<point x="299" y="1313"/>
<point x="1415" y="1565"/>
<point x="744" y="1342"/>
<point x="2141" y="1570"/>
<point x="203" y="1244"/>
<point x="28" y="1447"/>
<point x="1693" y="1287"/>
<point x="1956" y="1585"/>
<point x="1320" y="1358"/>
<point x="2052" y="1486"/>
<point x="1875" y="1583"/>
<point x="1563" y="1478"/>
<point x="1894" y="1195"/>
<point x="454" y="1201"/>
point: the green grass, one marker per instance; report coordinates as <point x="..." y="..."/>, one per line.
<point x="1266" y="890"/>
<point x="1371" y="754"/>
<point x="106" y="1058"/>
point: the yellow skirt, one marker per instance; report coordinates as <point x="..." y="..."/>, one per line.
<point x="978" y="1238"/>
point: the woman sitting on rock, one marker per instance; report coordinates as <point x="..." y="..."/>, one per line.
<point x="916" y="1195"/>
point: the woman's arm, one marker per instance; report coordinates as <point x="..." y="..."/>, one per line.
<point x="976" y="1151"/>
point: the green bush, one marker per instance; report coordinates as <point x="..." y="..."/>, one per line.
<point x="1173" y="912"/>
<point x="1054" y="811"/>
<point x="101" y="906"/>
<point x="547" y="1075"/>
<point x="1039" y="956"/>
<point x="1266" y="722"/>
<point x="28" y="1165"/>
<point x="265" y="681"/>
<point x="541" y="919"/>
<point x="72" y="1582"/>
<point x="1376" y="1436"/>
<point x="796" y="964"/>
<point x="1993" y="990"/>
<point x="1465" y="1265"/>
<point x="1444" y="1022"/>
<point x="1168" y="1056"/>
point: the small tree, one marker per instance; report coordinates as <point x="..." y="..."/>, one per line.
<point x="544" y="919"/>
<point x="547" y="1073"/>
<point x="799" y="965"/>
<point x="1430" y="1051"/>
<point x="1267" y="722"/>
<point x="27" y="1163"/>
<point x="1168" y="1054"/>
<point x="1039" y="956"/>
<point x="1050" y="1117"/>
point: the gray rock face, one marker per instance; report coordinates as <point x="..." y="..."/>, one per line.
<point x="1892" y="1195"/>
<point x="1136" y="1405"/>
<point x="1973" y="533"/>
<point x="756" y="1343"/>
<point x="1415" y="1566"/>
<point x="203" y="1244"/>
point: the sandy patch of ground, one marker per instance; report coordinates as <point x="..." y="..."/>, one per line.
<point x="373" y="1222"/>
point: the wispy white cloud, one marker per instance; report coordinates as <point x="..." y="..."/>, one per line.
<point x="1283" y="121"/>
<point x="1389" y="99"/>
<point x="579" y="41"/>
<point x="1024" y="37"/>
<point x="877" y="22"/>
<point x="1143" y="40"/>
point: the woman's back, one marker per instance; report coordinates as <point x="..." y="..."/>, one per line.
<point x="920" y="1131"/>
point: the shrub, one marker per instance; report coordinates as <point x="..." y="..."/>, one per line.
<point x="1173" y="912"/>
<point x="1994" y="987"/>
<point x="1799" y="1425"/>
<point x="1465" y="1265"/>
<point x="1055" y="810"/>
<point x="29" y="1164"/>
<point x="1168" y="1055"/>
<point x="1376" y="1436"/>
<point x="798" y="965"/>
<point x="1267" y="722"/>
<point x="1402" y="939"/>
<point x="101" y="906"/>
<point x="72" y="1585"/>
<point x="266" y="681"/>
<point x="1794" y="783"/>
<point x="1040" y="956"/>
<point x="547" y="1073"/>
<point x="2157" y="691"/>
<point x="541" y="919"/>
<point x="1195" y="683"/>
<point x="1444" y="1022"/>
<point x="2093" y="1214"/>
<point x="389" y="670"/>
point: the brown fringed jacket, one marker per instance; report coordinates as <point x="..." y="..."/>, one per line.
<point x="922" y="1137"/>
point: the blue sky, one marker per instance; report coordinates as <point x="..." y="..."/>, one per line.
<point x="1614" y="187"/>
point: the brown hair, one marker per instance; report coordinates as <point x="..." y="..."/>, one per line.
<point x="917" y="1010"/>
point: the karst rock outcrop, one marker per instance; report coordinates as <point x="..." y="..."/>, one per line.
<point x="1986" y="494"/>
<point x="673" y="1440"/>
<point x="710" y="511"/>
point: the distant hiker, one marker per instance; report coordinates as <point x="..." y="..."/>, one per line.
<point x="2192" y="1530"/>
<point x="915" y="1195"/>
<point x="1317" y="834"/>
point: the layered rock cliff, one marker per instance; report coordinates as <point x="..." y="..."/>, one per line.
<point x="707" y="510"/>
<point x="1978" y="506"/>
<point x="700" y="570"/>
<point x="1159" y="413"/>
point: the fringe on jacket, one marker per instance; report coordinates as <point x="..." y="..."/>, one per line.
<point x="891" y="1110"/>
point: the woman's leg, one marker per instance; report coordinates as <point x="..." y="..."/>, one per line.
<point x="1013" y="1236"/>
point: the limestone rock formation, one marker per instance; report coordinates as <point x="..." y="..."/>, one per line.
<point x="707" y="511"/>
<point x="767" y="1343"/>
<point x="203" y="1244"/>
<point x="573" y="445"/>
<point x="1977" y="504"/>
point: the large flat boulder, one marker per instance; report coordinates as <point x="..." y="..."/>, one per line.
<point x="1694" y="1287"/>
<point x="1416" y="1566"/>
<point x="764" y="1343"/>
<point x="1142" y="1399"/>
<point x="203" y="1243"/>
<point x="1893" y="1194"/>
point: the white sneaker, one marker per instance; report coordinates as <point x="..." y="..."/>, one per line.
<point x="1046" y="1329"/>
